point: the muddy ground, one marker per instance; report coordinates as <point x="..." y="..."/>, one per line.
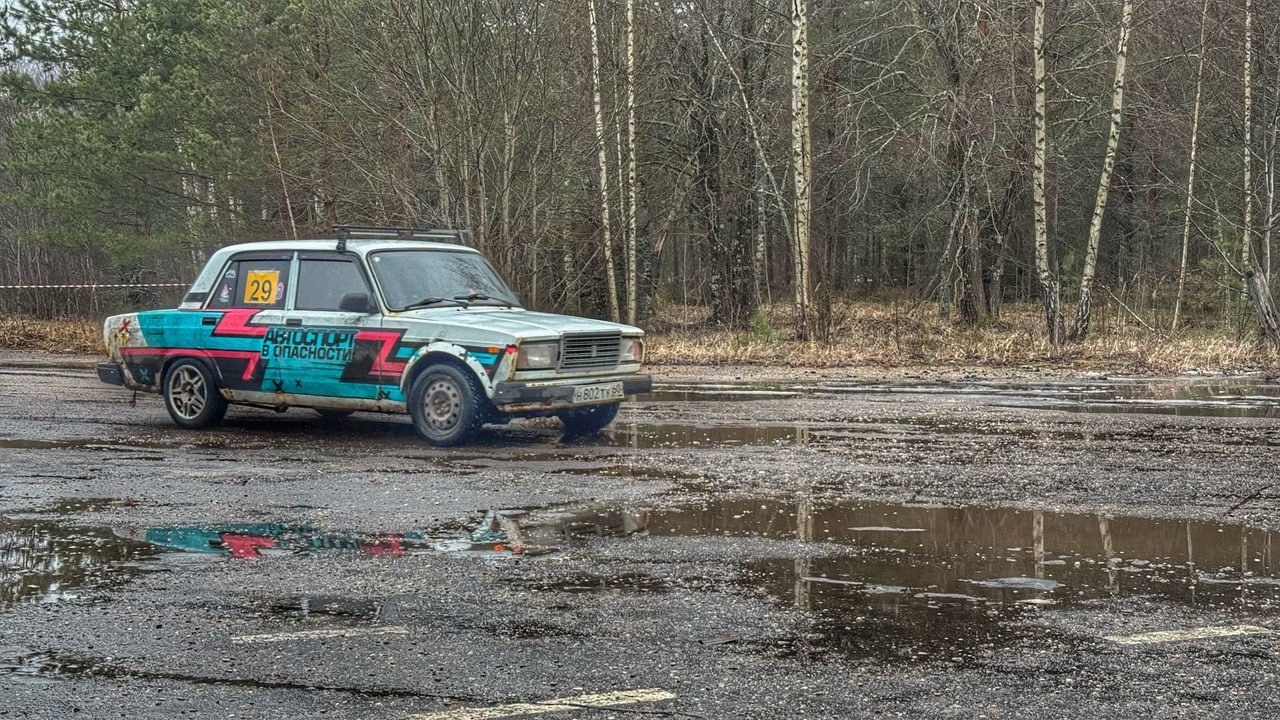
<point x="743" y="543"/>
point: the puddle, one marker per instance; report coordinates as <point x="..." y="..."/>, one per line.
<point x="259" y="540"/>
<point x="46" y="562"/>
<point x="323" y="607"/>
<point x="1249" y="396"/>
<point x="653" y="436"/>
<point x="587" y="583"/>
<point x="922" y="582"/>
<point x="718" y="392"/>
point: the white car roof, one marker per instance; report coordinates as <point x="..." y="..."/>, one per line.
<point x="361" y="246"/>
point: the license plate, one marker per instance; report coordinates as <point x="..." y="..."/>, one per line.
<point x="597" y="393"/>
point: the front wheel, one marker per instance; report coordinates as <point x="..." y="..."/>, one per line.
<point x="445" y="403"/>
<point x="587" y="420"/>
<point x="191" y="395"/>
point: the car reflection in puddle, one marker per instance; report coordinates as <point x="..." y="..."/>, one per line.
<point x="497" y="535"/>
<point x="44" y="562"/>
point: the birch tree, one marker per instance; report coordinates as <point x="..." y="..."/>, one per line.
<point x="1048" y="277"/>
<point x="801" y="167"/>
<point x="1083" y="310"/>
<point x="1191" y="170"/>
<point x="1247" y="239"/>
<point x="606" y="238"/>
<point x="632" y="275"/>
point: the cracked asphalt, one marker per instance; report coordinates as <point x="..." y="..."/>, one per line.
<point x="743" y="543"/>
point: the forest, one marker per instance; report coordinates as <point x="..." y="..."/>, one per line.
<point x="617" y="158"/>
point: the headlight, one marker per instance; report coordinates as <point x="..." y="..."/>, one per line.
<point x="632" y="350"/>
<point x="538" y="356"/>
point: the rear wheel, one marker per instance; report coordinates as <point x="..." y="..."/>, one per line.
<point x="587" y="420"/>
<point x="447" y="405"/>
<point x="191" y="395"/>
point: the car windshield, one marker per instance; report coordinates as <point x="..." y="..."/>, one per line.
<point x="421" y="278"/>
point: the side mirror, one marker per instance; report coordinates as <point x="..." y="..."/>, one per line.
<point x="357" y="302"/>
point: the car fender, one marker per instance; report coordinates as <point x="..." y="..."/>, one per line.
<point x="440" y="348"/>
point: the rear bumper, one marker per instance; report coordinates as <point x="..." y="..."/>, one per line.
<point x="551" y="395"/>
<point x="110" y="373"/>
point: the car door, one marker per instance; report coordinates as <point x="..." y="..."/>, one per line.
<point x="243" y="307"/>
<point x="316" y="350"/>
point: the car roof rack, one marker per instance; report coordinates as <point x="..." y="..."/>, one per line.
<point x="372" y="232"/>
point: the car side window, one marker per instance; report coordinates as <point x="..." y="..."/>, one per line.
<point x="322" y="282"/>
<point x="252" y="281"/>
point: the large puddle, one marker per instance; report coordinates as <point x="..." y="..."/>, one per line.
<point x="923" y="582"/>
<point x="1246" y="396"/>
<point x="882" y="580"/>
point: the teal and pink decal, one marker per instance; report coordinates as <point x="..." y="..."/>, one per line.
<point x="345" y="362"/>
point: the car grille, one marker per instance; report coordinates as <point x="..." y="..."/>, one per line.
<point x="590" y="351"/>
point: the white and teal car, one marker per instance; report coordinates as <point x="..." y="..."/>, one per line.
<point x="380" y="319"/>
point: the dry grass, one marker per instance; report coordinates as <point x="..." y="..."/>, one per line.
<point x="880" y="334"/>
<point x="867" y="334"/>
<point x="81" y="337"/>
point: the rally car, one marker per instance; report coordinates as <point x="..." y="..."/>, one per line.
<point x="388" y="320"/>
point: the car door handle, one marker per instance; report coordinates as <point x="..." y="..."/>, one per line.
<point x="293" y="321"/>
<point x="209" y="321"/>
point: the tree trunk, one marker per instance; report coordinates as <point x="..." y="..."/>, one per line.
<point x="602" y="156"/>
<point x="1081" y="328"/>
<point x="802" y="167"/>
<point x="1047" y="277"/>
<point x="1247" y="240"/>
<point x="632" y="278"/>
<point x="1191" y="172"/>
<point x="1263" y="305"/>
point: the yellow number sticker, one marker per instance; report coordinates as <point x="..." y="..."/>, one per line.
<point x="261" y="287"/>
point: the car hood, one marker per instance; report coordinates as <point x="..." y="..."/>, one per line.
<point x="518" y="323"/>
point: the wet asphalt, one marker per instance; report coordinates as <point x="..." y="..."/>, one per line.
<point x="734" y="547"/>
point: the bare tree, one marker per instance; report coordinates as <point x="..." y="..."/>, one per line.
<point x="801" y="167"/>
<point x="1247" y="240"/>
<point x="602" y="156"/>
<point x="1083" y="310"/>
<point x="1049" y="287"/>
<point x="1191" y="169"/>
<point x="632" y="275"/>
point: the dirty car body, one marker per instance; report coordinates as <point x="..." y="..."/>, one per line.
<point x="372" y="322"/>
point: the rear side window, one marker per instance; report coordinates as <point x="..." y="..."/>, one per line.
<point x="322" y="282"/>
<point x="253" y="280"/>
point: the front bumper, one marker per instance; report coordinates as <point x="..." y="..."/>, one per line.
<point x="555" y="394"/>
<point x="110" y="373"/>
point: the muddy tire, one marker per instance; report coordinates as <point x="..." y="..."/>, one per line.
<point x="587" y="420"/>
<point x="447" y="405"/>
<point x="191" y="395"/>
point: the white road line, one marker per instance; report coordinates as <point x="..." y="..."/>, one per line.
<point x="1163" y="636"/>
<point x="310" y="634"/>
<point x="580" y="702"/>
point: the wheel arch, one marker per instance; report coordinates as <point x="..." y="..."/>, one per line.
<point x="196" y="355"/>
<point x="444" y="352"/>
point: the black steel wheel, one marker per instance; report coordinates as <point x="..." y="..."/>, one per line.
<point x="447" y="405"/>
